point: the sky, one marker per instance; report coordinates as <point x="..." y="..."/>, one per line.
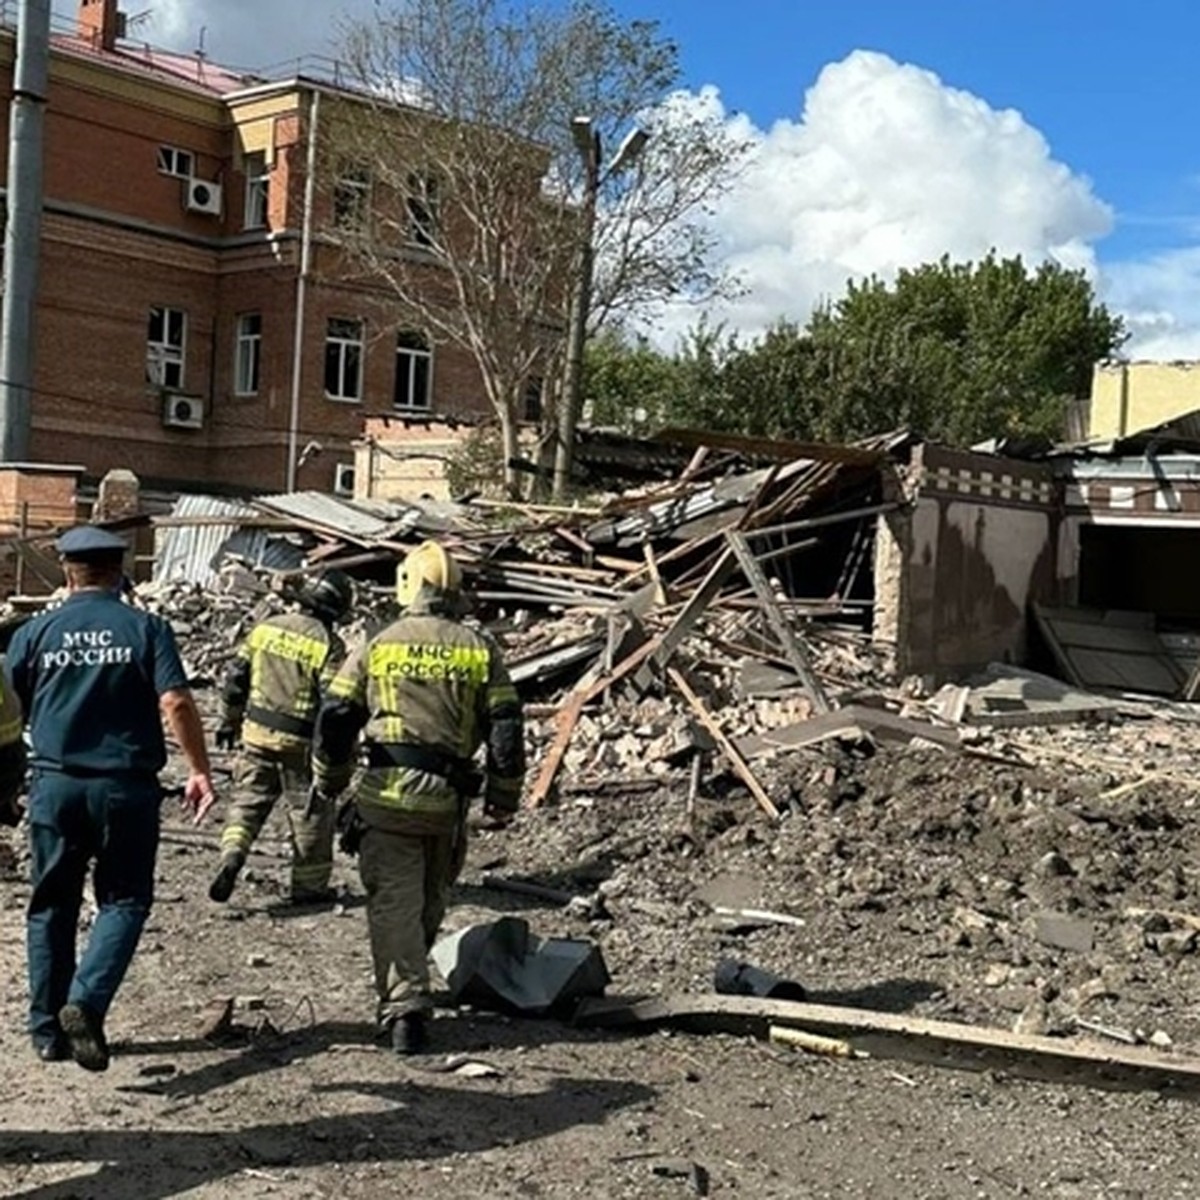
<point x="890" y="132"/>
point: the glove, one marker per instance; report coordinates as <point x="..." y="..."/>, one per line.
<point x="228" y="736"/>
<point x="350" y="828"/>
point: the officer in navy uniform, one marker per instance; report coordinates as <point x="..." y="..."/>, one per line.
<point x="95" y="678"/>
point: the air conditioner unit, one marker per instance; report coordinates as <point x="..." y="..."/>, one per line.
<point x="343" y="479"/>
<point x="182" y="412"/>
<point x="202" y="196"/>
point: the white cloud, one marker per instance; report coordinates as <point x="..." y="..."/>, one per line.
<point x="1159" y="297"/>
<point x="888" y="167"/>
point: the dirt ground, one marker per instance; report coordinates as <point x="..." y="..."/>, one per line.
<point x="919" y="875"/>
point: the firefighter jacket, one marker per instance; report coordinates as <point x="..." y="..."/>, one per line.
<point x="426" y="692"/>
<point x="277" y="681"/>
<point x="12" y="745"/>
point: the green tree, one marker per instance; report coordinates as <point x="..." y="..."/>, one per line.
<point x="957" y="351"/>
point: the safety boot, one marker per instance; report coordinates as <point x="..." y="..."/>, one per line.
<point x="221" y="887"/>
<point x="408" y="1034"/>
<point x="84" y="1031"/>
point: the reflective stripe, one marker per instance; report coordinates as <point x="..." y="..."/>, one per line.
<point x="10" y="731"/>
<point x="343" y="687"/>
<point x="428" y="661"/>
<point x="284" y="643"/>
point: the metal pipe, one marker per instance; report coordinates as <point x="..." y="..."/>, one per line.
<point x="22" y="238"/>
<point x="310" y="169"/>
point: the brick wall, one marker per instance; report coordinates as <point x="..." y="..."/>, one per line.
<point x="118" y="241"/>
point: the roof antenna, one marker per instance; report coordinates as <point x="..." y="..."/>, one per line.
<point x="201" y="55"/>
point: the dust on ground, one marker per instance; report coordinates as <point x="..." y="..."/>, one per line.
<point x="920" y="877"/>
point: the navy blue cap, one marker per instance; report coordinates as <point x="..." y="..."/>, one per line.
<point x="89" y="541"/>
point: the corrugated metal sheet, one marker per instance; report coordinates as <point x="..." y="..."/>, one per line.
<point x="188" y="553"/>
<point x="347" y="519"/>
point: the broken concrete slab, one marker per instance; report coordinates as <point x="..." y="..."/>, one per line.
<point x="852" y="723"/>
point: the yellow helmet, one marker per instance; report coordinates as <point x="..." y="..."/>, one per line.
<point x="429" y="565"/>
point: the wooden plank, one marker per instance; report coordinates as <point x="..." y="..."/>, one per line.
<point x="899" y="1036"/>
<point x="568" y="718"/>
<point x="727" y="747"/>
<point x="793" y="650"/>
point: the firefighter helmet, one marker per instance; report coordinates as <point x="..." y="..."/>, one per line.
<point x="429" y="565"/>
<point x="328" y="595"/>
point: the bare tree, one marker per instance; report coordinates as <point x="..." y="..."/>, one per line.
<point x="484" y="212"/>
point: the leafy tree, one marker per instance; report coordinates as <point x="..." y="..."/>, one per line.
<point x="465" y="134"/>
<point x="957" y="351"/>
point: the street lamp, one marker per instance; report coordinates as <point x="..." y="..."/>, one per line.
<point x="587" y="141"/>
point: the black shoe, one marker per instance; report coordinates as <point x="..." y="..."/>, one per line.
<point x="408" y="1034"/>
<point x="311" y="899"/>
<point x="221" y="887"/>
<point x="84" y="1032"/>
<point x="52" y="1049"/>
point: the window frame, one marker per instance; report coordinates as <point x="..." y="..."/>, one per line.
<point x="344" y="345"/>
<point x="164" y="353"/>
<point x="353" y="180"/>
<point x="339" y="487"/>
<point x="250" y="344"/>
<point x="421" y="212"/>
<point x="257" y="200"/>
<point x="415" y="355"/>
<point x="170" y="159"/>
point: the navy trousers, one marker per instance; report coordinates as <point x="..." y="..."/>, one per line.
<point x="76" y="821"/>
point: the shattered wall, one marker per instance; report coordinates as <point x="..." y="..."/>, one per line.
<point x="955" y="571"/>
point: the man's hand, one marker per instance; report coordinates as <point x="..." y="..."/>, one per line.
<point x="227" y="736"/>
<point x="11" y="812"/>
<point x="198" y="796"/>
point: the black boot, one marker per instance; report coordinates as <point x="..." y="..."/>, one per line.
<point x="221" y="887"/>
<point x="84" y="1032"/>
<point x="408" y="1034"/>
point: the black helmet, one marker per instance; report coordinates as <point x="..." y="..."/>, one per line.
<point x="327" y="595"/>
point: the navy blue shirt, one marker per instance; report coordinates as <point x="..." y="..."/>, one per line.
<point x="89" y="675"/>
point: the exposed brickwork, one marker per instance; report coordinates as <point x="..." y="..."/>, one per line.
<point x="118" y="241"/>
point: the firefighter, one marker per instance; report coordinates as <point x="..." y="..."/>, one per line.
<point x="269" y="702"/>
<point x="95" y="677"/>
<point x="12" y="755"/>
<point x="426" y="692"/>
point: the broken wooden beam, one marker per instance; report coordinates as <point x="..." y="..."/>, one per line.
<point x="791" y="645"/>
<point x="892" y="1035"/>
<point x="727" y="747"/>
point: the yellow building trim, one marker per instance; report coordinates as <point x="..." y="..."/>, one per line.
<point x="254" y="124"/>
<point x="1131" y="396"/>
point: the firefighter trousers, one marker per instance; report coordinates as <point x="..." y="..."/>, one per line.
<point x="263" y="776"/>
<point x="407" y="878"/>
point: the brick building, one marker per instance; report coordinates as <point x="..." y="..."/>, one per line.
<point x="177" y="334"/>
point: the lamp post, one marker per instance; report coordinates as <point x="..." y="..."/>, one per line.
<point x="587" y="141"/>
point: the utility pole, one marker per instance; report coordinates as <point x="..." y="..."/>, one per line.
<point x="587" y="142"/>
<point x="22" y="237"/>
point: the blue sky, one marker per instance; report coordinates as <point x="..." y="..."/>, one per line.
<point x="889" y="132"/>
<point x="1110" y="83"/>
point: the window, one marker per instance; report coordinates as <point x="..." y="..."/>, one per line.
<point x="343" y="479"/>
<point x="343" y="359"/>
<point x="531" y="400"/>
<point x="258" y="190"/>
<point x="247" y="354"/>
<point x="165" y="338"/>
<point x="422" y="210"/>
<point x="173" y="161"/>
<point x="413" y="370"/>
<point x="351" y="198"/>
